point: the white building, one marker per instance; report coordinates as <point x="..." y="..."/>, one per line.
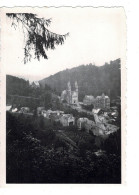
<point x="71" y="97"/>
<point x="81" y="123"/>
<point x="88" y="100"/>
<point x="35" y="84"/>
<point x="8" y="108"/>
<point x="14" y="110"/>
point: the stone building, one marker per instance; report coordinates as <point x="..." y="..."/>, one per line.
<point x="88" y="100"/>
<point x="35" y="84"/>
<point x="102" y="102"/>
<point x="86" y="124"/>
<point x="67" y="120"/>
<point x="81" y="123"/>
<point x="51" y="114"/>
<point x="71" y="97"/>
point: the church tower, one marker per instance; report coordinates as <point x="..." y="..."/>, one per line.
<point x="69" y="93"/>
<point x="76" y="86"/>
<point x="76" y="90"/>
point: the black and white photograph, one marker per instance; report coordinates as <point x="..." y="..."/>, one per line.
<point x="64" y="100"/>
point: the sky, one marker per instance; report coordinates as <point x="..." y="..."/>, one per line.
<point x="96" y="35"/>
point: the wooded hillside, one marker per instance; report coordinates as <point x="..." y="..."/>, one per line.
<point x="92" y="80"/>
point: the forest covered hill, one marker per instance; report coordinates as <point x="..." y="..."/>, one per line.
<point x="92" y="80"/>
<point x="20" y="93"/>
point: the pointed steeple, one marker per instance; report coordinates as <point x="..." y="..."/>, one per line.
<point x="69" y="93"/>
<point x="69" y="86"/>
<point x="76" y="86"/>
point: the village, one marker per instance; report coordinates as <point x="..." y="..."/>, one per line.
<point x="103" y="116"/>
<point x="62" y="121"/>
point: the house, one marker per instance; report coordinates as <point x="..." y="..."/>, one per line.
<point x="24" y="110"/>
<point x="56" y="115"/>
<point x="67" y="120"/>
<point x="39" y="110"/>
<point x="8" y="108"/>
<point x="14" y="110"/>
<point x="88" y="100"/>
<point x="85" y="123"/>
<point x="35" y="84"/>
<point x="44" y="113"/>
<point x="51" y="114"/>
<point x="81" y="123"/>
<point x="102" y="125"/>
<point x="102" y="102"/>
<point x="47" y="113"/>
<point x="58" y="112"/>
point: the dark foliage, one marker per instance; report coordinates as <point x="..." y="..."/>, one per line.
<point x="88" y="107"/>
<point x="38" y="37"/>
<point x="34" y="156"/>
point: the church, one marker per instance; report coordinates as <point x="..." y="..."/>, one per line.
<point x="71" y="97"/>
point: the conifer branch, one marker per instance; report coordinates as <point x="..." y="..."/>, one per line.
<point x="38" y="37"/>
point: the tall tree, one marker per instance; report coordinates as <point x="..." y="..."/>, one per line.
<point x="38" y="39"/>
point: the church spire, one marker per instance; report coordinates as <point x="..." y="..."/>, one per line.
<point x="76" y="86"/>
<point x="69" y="86"/>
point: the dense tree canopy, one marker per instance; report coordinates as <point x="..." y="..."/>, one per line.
<point x="38" y="38"/>
<point x="36" y="154"/>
